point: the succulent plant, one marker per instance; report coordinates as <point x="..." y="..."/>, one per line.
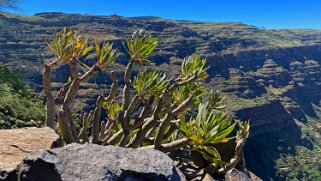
<point x="154" y="116"/>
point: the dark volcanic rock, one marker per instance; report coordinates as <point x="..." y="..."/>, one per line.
<point x="8" y="174"/>
<point x="95" y="163"/>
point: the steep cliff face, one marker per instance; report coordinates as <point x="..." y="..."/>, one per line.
<point x="276" y="119"/>
<point x="271" y="77"/>
<point x="284" y="126"/>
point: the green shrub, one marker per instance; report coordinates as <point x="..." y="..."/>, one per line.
<point x="20" y="106"/>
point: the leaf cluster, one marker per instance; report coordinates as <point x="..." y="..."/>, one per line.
<point x="112" y="109"/>
<point x="207" y="129"/>
<point x="193" y="64"/>
<point x="150" y="83"/>
<point x="106" y="55"/>
<point x="68" y="45"/>
<point x="140" y="46"/>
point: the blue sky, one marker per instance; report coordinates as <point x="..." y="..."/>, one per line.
<point x="262" y="13"/>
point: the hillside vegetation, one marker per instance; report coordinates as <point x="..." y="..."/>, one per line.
<point x="20" y="106"/>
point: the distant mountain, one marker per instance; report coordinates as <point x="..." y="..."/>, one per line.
<point x="272" y="77"/>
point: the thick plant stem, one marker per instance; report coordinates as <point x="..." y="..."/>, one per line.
<point x="165" y="122"/>
<point x="175" y="145"/>
<point x="73" y="68"/>
<point x="183" y="105"/>
<point x="170" y="132"/>
<point x="109" y="126"/>
<point x="62" y="92"/>
<point x="139" y="122"/>
<point x="124" y="140"/>
<point x="102" y="131"/>
<point x="96" y="121"/>
<point x="90" y="73"/>
<point x="149" y="124"/>
<point x="86" y="122"/>
<point x="65" y="108"/>
<point x="118" y="136"/>
<point x="162" y="128"/>
<point x="65" y="128"/>
<point x="113" y="89"/>
<point x="110" y="123"/>
<point x="50" y="104"/>
<point x="114" y="139"/>
<point x="132" y="107"/>
<point x="238" y="154"/>
<point x="126" y="91"/>
<point x="144" y="113"/>
<point x="72" y="125"/>
<point x="72" y="92"/>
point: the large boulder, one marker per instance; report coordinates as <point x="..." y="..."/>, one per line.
<point x="15" y="144"/>
<point x="97" y="163"/>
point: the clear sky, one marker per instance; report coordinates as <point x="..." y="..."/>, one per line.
<point x="262" y="13"/>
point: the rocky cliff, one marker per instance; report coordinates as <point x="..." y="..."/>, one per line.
<point x="271" y="77"/>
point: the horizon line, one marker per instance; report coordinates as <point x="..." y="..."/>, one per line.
<point x="169" y="19"/>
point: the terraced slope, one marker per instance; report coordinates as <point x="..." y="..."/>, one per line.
<point x="272" y="77"/>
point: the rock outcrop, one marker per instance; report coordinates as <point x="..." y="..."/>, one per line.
<point x="240" y="84"/>
<point x="98" y="163"/>
<point x="272" y="74"/>
<point x="263" y="122"/>
<point x="15" y="144"/>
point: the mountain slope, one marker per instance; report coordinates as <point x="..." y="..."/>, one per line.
<point x="272" y="77"/>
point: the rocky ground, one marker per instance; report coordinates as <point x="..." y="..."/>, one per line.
<point x="29" y="154"/>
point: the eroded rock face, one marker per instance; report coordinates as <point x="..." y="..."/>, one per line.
<point x="273" y="74"/>
<point x="95" y="162"/>
<point x="240" y="84"/>
<point x="261" y="121"/>
<point x="15" y="144"/>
